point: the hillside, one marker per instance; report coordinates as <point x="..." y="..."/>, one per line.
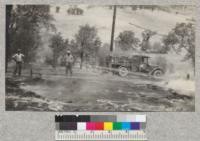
<point x="126" y="19"/>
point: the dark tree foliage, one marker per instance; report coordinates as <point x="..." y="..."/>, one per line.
<point x="87" y="42"/>
<point x="8" y="22"/>
<point x="75" y="11"/>
<point x="182" y="37"/>
<point x="127" y="40"/>
<point x="58" y="46"/>
<point x="23" y="29"/>
<point x="74" y="47"/>
<point x="170" y="41"/>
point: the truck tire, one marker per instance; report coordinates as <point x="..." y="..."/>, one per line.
<point x="157" y="73"/>
<point x="123" y="71"/>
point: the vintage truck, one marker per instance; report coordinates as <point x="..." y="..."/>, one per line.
<point x="137" y="63"/>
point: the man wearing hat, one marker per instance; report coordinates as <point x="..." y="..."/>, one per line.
<point x="18" y="58"/>
<point x="69" y="62"/>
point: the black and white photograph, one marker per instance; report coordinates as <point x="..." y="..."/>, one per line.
<point x="100" y="58"/>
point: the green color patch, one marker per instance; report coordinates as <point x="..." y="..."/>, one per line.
<point x="117" y="126"/>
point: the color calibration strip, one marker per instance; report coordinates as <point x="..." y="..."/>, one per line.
<point x="99" y="122"/>
<point x="100" y="127"/>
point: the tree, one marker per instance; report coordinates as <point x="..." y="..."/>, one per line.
<point x="8" y="23"/>
<point x="146" y="35"/>
<point x="103" y="53"/>
<point x="157" y="47"/>
<point x="87" y="41"/>
<point x="73" y="46"/>
<point x="149" y="7"/>
<point x="57" y="45"/>
<point x="182" y="37"/>
<point x="127" y="40"/>
<point x="170" y="41"/>
<point x="23" y="29"/>
<point x="134" y="7"/>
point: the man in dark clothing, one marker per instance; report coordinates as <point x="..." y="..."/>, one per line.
<point x="18" y="58"/>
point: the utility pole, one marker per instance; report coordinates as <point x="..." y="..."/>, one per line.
<point x="113" y="29"/>
<point x="112" y="37"/>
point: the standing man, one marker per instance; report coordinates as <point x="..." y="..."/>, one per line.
<point x="69" y="62"/>
<point x="18" y="58"/>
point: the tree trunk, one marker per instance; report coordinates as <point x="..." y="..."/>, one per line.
<point x="54" y="60"/>
<point x="81" y="57"/>
<point x="8" y="17"/>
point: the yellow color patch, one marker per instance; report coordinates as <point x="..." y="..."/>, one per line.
<point x="108" y="126"/>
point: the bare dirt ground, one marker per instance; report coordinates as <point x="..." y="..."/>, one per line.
<point x="89" y="91"/>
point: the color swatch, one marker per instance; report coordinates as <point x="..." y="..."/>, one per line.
<point x="99" y="122"/>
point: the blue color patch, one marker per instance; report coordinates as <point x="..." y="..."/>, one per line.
<point x="135" y="125"/>
<point x="126" y="125"/>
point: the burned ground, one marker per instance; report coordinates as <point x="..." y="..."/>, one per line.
<point x="95" y="93"/>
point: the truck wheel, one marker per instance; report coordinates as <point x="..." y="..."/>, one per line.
<point x="123" y="71"/>
<point x="158" y="73"/>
